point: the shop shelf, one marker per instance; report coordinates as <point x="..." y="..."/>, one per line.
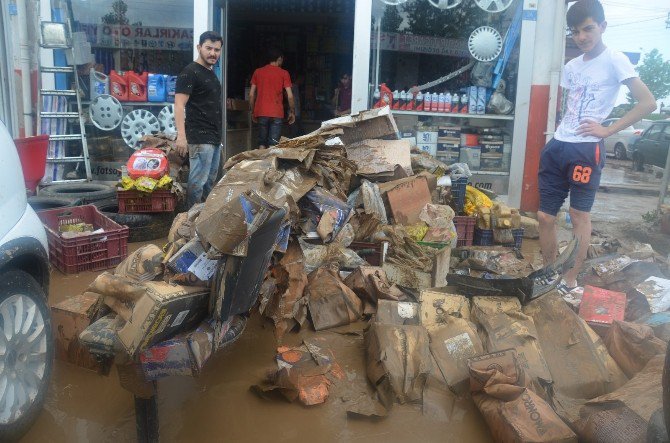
<point x="135" y="201"/>
<point x="86" y="253"/>
<point x="452" y="115"/>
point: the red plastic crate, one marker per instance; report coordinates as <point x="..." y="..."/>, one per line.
<point x="465" y="230"/>
<point x="87" y="253"/>
<point x="135" y="201"/>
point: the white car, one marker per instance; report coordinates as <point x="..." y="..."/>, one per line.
<point x="619" y="145"/>
<point x="26" y="342"/>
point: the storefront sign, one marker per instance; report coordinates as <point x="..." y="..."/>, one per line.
<point x="420" y="44"/>
<point x="137" y="37"/>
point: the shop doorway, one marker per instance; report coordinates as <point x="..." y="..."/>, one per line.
<point x="316" y="37"/>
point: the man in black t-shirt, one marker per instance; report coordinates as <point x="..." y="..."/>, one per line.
<point x="198" y="93"/>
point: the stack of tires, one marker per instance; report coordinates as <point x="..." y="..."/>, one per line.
<point x="143" y="227"/>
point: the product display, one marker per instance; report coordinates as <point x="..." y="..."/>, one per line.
<point x="106" y="112"/>
<point x="136" y="125"/>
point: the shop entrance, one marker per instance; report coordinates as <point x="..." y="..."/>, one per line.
<point x="316" y="37"/>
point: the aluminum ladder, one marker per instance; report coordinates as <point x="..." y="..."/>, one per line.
<point x="56" y="35"/>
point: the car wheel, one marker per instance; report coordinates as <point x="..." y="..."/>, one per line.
<point x="620" y="152"/>
<point x="26" y="352"/>
<point x="638" y="162"/>
<point x="142" y="227"/>
<point x="39" y="202"/>
<point x="87" y="192"/>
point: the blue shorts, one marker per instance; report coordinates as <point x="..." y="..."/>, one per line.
<point x="573" y="168"/>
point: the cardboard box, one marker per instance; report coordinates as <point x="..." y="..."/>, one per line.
<point x="438" y="306"/>
<point x="471" y="156"/>
<point x="185" y="354"/>
<point x="492" y="147"/>
<point x="449" y="147"/>
<point x="407" y="199"/>
<point x="491" y="162"/>
<point x="448" y="157"/>
<point x="601" y="307"/>
<point x="399" y="313"/>
<point x="371" y="124"/>
<point x="407" y="277"/>
<point x="163" y="311"/>
<point x="68" y="319"/>
<point x="449" y="131"/>
<point x="430" y="148"/>
<point x="381" y="156"/>
<point x="423" y="137"/>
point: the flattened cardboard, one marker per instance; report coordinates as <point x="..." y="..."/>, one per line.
<point x="162" y="312"/>
<point x="407" y="277"/>
<point x="370" y="124"/>
<point x="68" y="319"/>
<point x="408" y="199"/>
<point x="437" y="307"/>
<point x="374" y="157"/>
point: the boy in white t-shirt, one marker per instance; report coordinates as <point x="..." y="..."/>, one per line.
<point x="572" y="161"/>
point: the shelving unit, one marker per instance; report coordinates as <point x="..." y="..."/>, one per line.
<point x="453" y="115"/>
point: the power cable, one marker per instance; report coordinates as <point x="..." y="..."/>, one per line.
<point x="636" y="22"/>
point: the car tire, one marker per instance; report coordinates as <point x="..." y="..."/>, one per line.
<point x="87" y="192"/>
<point x="638" y="162"/>
<point x="142" y="227"/>
<point x="620" y="152"/>
<point x="40" y="203"/>
<point x="17" y="285"/>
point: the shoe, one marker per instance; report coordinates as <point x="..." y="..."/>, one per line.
<point x="237" y="325"/>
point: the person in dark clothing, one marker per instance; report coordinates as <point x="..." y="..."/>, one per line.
<point x="342" y="96"/>
<point x="198" y="95"/>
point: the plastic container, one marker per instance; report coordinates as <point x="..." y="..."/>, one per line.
<point x="148" y="162"/>
<point x="458" y="193"/>
<point x="135" y="201"/>
<point x="518" y="239"/>
<point x="86" y="253"/>
<point x="137" y="86"/>
<point x="171" y="86"/>
<point x="465" y="230"/>
<point x="118" y="86"/>
<point x="33" y="156"/>
<point x="157" y="88"/>
<point x="483" y="237"/>
<point x="99" y="83"/>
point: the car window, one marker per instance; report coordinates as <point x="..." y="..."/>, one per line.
<point x="642" y="124"/>
<point x="666" y="133"/>
<point x="654" y="132"/>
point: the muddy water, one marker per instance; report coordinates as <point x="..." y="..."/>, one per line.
<point x="218" y="406"/>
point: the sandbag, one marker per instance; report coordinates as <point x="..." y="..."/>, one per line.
<point x="625" y="415"/>
<point x="579" y="363"/>
<point x="330" y="302"/>
<point x="398" y="362"/>
<point x="145" y="264"/>
<point x="632" y="345"/>
<point x="452" y="344"/>
<point x="504" y="326"/>
<point x="513" y="412"/>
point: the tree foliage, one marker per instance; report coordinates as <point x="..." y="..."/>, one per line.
<point x="655" y="73"/>
<point x="118" y="14"/>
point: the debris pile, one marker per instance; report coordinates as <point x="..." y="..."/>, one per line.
<point x="348" y="229"/>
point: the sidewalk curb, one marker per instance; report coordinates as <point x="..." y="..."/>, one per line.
<point x="630" y="189"/>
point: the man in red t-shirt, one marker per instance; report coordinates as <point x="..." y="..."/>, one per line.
<point x="267" y="100"/>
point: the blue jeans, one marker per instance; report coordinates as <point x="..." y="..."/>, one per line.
<point x="204" y="162"/>
<point x="269" y="131"/>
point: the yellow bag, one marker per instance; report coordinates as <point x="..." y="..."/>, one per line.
<point x="145" y="184"/>
<point x="164" y="183"/>
<point x="127" y="183"/>
<point x="475" y="199"/>
<point x="417" y="231"/>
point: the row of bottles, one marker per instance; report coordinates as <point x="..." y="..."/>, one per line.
<point x="427" y="102"/>
<point x="133" y="87"/>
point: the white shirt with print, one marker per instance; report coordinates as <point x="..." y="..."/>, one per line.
<point x="592" y="88"/>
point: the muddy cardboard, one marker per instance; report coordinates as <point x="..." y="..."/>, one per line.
<point x="163" y="311"/>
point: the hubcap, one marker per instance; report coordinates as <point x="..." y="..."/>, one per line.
<point x="23" y="356"/>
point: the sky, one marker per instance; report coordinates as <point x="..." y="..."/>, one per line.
<point x="637" y="26"/>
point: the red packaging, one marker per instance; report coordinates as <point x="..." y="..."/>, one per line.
<point x="601" y="306"/>
<point x="148" y="162"/>
<point x="386" y="97"/>
<point x="137" y="86"/>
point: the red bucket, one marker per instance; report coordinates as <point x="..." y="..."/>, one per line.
<point x="33" y="155"/>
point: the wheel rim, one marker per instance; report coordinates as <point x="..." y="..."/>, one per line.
<point x="23" y="356"/>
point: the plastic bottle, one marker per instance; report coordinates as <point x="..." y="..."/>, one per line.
<point x="137" y="86"/>
<point x="441" y="102"/>
<point x="427" y="102"/>
<point x="447" y="102"/>
<point x="118" y="86"/>
<point x="564" y="220"/>
<point x="419" y="101"/>
<point x="396" y="100"/>
<point x="464" y="103"/>
<point x="435" y="102"/>
<point x="99" y="83"/>
<point x="171" y="86"/>
<point x="455" y="99"/>
<point x="157" y="88"/>
<point x="375" y="97"/>
<point x="403" y="100"/>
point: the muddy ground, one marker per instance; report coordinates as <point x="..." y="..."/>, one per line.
<point x="218" y="406"/>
